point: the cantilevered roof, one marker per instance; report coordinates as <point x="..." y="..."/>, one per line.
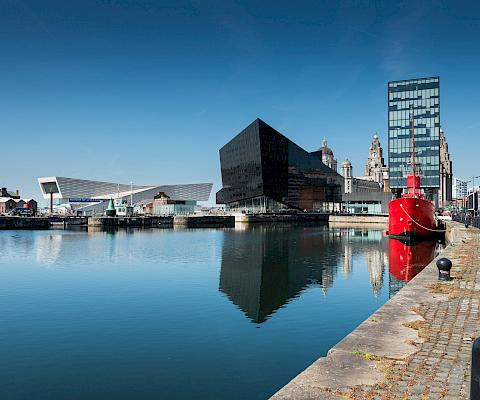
<point x="73" y="188"/>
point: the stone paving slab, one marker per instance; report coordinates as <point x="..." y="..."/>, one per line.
<point x="417" y="346"/>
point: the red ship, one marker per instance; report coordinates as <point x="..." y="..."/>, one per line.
<point x="412" y="215"/>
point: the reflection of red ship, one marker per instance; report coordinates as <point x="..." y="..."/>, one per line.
<point x="412" y="214"/>
<point x="407" y="260"/>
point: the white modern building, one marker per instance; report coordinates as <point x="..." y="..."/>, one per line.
<point x="459" y="188"/>
<point x="88" y="197"/>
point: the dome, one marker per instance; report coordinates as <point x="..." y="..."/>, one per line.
<point x="375" y="136"/>
<point x="347" y="163"/>
<point x="325" y="149"/>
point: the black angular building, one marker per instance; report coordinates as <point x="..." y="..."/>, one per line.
<point x="263" y="171"/>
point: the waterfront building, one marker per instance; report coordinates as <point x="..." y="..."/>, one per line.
<point x="86" y="197"/>
<point x="375" y="169"/>
<point x="459" y="188"/>
<point x="423" y="96"/>
<point x="164" y="205"/>
<point x="355" y="185"/>
<point x="445" y="192"/>
<point x="368" y="193"/>
<point x="7" y="204"/>
<point x="263" y="171"/>
<point x="8" y="193"/>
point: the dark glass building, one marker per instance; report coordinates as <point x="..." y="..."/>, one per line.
<point x="423" y="95"/>
<point x="263" y="171"/>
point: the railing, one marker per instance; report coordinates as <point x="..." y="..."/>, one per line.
<point x="466" y="219"/>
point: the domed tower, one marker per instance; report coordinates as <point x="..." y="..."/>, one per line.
<point x="347" y="175"/>
<point x="327" y="155"/>
<point x="375" y="168"/>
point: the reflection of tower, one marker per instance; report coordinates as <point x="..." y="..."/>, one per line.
<point x="347" y="260"/>
<point x="327" y="279"/>
<point x="375" y="266"/>
<point x="48" y="248"/>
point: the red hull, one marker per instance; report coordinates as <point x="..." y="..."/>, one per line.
<point x="411" y="216"/>
<point x="406" y="261"/>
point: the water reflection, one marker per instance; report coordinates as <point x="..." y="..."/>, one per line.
<point x="407" y="259"/>
<point x="264" y="267"/>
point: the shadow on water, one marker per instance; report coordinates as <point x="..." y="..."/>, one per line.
<point x="266" y="267"/>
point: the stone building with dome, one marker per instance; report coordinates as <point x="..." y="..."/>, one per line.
<point x="375" y="169"/>
<point x="368" y="193"/>
<point x="325" y="154"/>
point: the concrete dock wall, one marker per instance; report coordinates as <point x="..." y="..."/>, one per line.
<point x="220" y="221"/>
<point x="24" y="223"/>
<point x="359" y="219"/>
<point x="133" y="222"/>
<point x="300" y="217"/>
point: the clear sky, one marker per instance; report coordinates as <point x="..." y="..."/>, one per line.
<point x="148" y="91"/>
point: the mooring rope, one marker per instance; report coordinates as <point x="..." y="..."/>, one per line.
<point x="420" y="225"/>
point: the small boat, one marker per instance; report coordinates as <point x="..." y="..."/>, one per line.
<point x="412" y="215"/>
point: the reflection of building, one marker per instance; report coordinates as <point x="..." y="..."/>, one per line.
<point x="423" y="95"/>
<point x="347" y="260"/>
<point x="91" y="197"/>
<point x="376" y="267"/>
<point x="263" y="267"/>
<point x="263" y="171"/>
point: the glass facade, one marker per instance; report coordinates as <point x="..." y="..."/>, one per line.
<point x="187" y="207"/>
<point x="263" y="171"/>
<point x="423" y="96"/>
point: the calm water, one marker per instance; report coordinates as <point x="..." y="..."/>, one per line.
<point x="184" y="314"/>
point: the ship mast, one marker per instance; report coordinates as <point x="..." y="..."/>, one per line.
<point x="414" y="167"/>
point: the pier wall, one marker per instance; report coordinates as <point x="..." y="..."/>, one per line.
<point x="24" y="223"/>
<point x="301" y="217"/>
<point x="133" y="222"/>
<point x="220" y="221"/>
<point x="359" y="219"/>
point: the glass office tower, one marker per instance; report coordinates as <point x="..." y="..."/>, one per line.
<point x="423" y="96"/>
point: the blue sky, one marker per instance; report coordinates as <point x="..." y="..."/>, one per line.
<point x="148" y="91"/>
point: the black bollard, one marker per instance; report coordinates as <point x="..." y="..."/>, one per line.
<point x="475" y="371"/>
<point x="444" y="266"/>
